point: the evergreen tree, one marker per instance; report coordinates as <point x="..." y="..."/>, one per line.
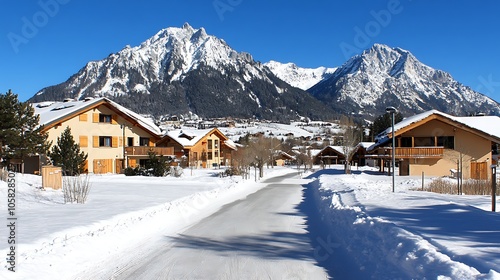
<point x="383" y="122"/>
<point x="66" y="154"/>
<point x="8" y="121"/>
<point x="157" y="166"/>
<point x="20" y="133"/>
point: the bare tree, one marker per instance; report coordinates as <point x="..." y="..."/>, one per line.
<point x="460" y="155"/>
<point x="260" y="152"/>
<point x="193" y="161"/>
<point x="76" y="189"/>
<point x="304" y="157"/>
<point x="351" y="137"/>
<point x="288" y="144"/>
<point x="241" y="161"/>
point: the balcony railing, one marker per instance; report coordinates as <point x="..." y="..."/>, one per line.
<point x="144" y="150"/>
<point x="419" y="152"/>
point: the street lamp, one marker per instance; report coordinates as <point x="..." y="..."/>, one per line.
<point x="124" y="152"/>
<point x="493" y="187"/>
<point x="392" y="111"/>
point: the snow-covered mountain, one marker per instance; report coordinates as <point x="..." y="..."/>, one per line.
<point x="303" y="78"/>
<point x="185" y="71"/>
<point x="182" y="71"/>
<point x="382" y="76"/>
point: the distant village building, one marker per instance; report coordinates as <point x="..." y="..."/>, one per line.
<point x="199" y="147"/>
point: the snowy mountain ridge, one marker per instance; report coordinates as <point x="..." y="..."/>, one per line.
<point x="186" y="71"/>
<point x="382" y="76"/>
<point x="167" y="56"/>
<point x="299" y="77"/>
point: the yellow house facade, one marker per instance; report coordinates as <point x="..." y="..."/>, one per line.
<point x="200" y="147"/>
<point x="112" y="136"/>
<point x="439" y="144"/>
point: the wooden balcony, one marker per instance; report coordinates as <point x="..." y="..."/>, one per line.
<point x="143" y="150"/>
<point x="418" y="152"/>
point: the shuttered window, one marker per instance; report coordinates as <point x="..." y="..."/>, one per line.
<point x="114" y="141"/>
<point x="84" y="141"/>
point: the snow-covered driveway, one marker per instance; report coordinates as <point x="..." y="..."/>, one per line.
<point x="260" y="237"/>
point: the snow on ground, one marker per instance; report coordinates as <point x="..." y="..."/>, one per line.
<point x="408" y="233"/>
<point x="276" y="129"/>
<point x="56" y="240"/>
<point x="402" y="235"/>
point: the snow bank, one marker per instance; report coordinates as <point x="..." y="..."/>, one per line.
<point x="378" y="246"/>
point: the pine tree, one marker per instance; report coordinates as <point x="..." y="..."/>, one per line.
<point x="20" y="132"/>
<point x="384" y="121"/>
<point x="66" y="154"/>
<point x="8" y="121"/>
<point x="156" y="165"/>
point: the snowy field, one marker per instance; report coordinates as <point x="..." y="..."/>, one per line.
<point x="402" y="235"/>
<point x="279" y="130"/>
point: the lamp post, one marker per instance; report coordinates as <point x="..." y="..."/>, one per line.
<point x="124" y="163"/>
<point x="493" y="187"/>
<point x="392" y="111"/>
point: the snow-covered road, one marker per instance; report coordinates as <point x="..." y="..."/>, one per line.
<point x="261" y="237"/>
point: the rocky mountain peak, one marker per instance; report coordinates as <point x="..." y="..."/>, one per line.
<point x="382" y="76"/>
<point x="299" y="77"/>
<point x="186" y="71"/>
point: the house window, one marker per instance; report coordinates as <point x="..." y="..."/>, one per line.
<point x="105" y="141"/>
<point x="209" y="144"/>
<point x="105" y="118"/>
<point x="195" y="155"/>
<point x="209" y="154"/>
<point x="406" y="142"/>
<point x="216" y="144"/>
<point x="144" y="141"/>
<point x="144" y="162"/>
<point x="447" y="142"/>
<point x="216" y="154"/>
<point x="494" y="149"/>
<point x="130" y="141"/>
<point x="424" y="142"/>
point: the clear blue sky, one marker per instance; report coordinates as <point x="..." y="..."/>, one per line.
<point x="44" y="42"/>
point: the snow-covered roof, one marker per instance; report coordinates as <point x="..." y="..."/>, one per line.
<point x="285" y="154"/>
<point x="365" y="145"/>
<point x="338" y="149"/>
<point x="51" y="112"/>
<point x="230" y="143"/>
<point x="314" y="152"/>
<point x="489" y="125"/>
<point x="189" y="137"/>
